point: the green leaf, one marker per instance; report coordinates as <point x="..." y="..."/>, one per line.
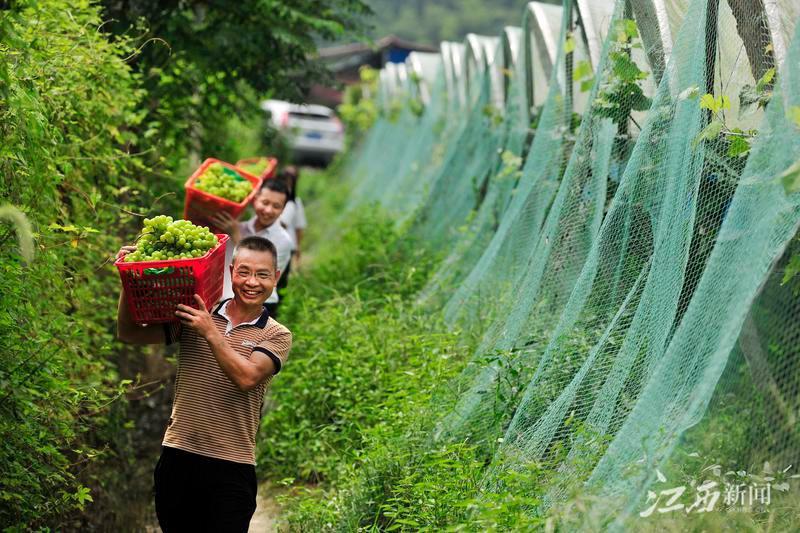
<point x="715" y="105"/>
<point x="794" y="115"/>
<point x="791" y="270"/>
<point x="82" y="495"/>
<point x="582" y="70"/>
<point x="739" y="146"/>
<point x="640" y="102"/>
<point x="630" y="28"/>
<point x="569" y="44"/>
<point x="791" y="178"/>
<point x="625" y="30"/>
<point x="94" y="197"/>
<point x="765" y="80"/>
<point x="586" y="85"/>
<point x="708" y="133"/>
<point x="625" y="68"/>
<point x="66" y="229"/>
<point x="707" y="101"/>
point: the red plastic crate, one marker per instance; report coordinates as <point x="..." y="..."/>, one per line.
<point x="269" y="171"/>
<point x="155" y="288"/>
<point x="200" y="206"/>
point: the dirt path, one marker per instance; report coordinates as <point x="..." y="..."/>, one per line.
<point x="265" y="519"/>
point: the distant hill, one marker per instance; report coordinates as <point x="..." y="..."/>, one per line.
<point x="432" y="21"/>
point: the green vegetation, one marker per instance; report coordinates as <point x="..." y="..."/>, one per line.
<point x="359" y="109"/>
<point x="352" y="429"/>
<point x="104" y="110"/>
<point x="571" y="420"/>
<point x="360" y="348"/>
<point x="620" y="91"/>
<point x="352" y="426"/>
<point x="387" y="417"/>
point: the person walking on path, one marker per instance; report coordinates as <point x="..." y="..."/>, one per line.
<point x="205" y="478"/>
<point x="268" y="205"/>
<point x="293" y="217"/>
<point x="293" y="220"/>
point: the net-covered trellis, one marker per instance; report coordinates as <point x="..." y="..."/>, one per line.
<point x="503" y="172"/>
<point x="618" y="209"/>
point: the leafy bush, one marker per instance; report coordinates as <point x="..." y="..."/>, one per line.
<point x="359" y="349"/>
<point x="359" y="108"/>
<point x="66" y="97"/>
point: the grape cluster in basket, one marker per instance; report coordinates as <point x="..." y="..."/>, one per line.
<point x="219" y="181"/>
<point x="255" y="168"/>
<point x="165" y="238"/>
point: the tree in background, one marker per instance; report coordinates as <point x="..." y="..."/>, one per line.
<point x="430" y="22"/>
<point x="203" y="61"/>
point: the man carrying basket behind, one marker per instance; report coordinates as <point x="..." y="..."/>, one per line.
<point x="205" y="479"/>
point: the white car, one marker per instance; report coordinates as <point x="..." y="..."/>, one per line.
<point x="313" y="132"/>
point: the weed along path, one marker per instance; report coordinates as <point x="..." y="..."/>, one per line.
<point x="265" y="519"/>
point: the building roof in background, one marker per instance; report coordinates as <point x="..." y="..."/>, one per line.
<point x="346" y="60"/>
<point x="390" y="41"/>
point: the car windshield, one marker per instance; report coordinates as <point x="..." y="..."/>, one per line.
<point x="306" y="114"/>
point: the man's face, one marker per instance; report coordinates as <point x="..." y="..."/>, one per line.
<point x="253" y="276"/>
<point x="268" y="206"/>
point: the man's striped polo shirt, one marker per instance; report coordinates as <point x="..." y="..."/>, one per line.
<point x="211" y="416"/>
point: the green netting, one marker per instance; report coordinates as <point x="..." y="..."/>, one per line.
<point x="406" y="186"/>
<point x="537" y="266"/>
<point x="632" y="284"/>
<point x="758" y="226"/>
<point x="459" y="186"/>
<point x="489" y="286"/>
<point x="512" y="136"/>
<point x="405" y="150"/>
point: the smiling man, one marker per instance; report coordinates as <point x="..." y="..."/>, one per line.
<point x="205" y="479"/>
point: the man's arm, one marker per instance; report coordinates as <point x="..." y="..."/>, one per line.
<point x="244" y="373"/>
<point x="132" y="333"/>
<point x="127" y="330"/>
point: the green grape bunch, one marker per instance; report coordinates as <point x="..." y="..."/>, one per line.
<point x="225" y="183"/>
<point x="164" y="238"/>
<point x="256" y="168"/>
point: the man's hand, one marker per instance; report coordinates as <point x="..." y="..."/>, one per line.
<point x="198" y="319"/>
<point x="228" y="224"/>
<point x="125" y="250"/>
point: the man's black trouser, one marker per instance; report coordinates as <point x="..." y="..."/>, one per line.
<point x="198" y="493"/>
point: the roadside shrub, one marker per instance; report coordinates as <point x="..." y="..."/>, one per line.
<point x="359" y="349"/>
<point x="66" y="100"/>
